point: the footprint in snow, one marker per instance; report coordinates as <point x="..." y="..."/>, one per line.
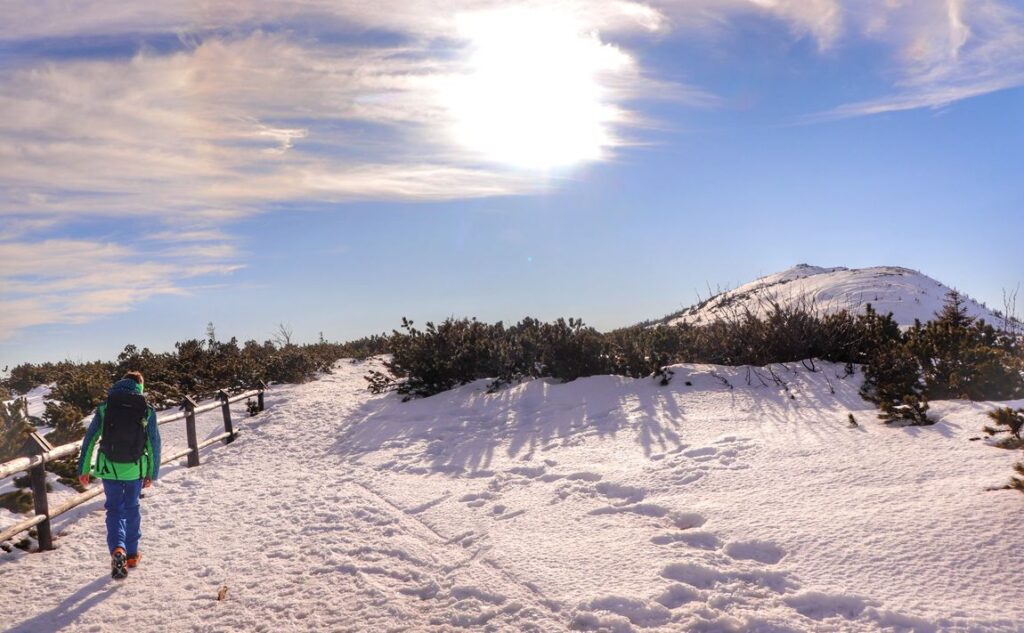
<point x="620" y="492"/>
<point x="694" y="575"/>
<point x="684" y="477"/>
<point x="643" y="509"/>
<point x="530" y="472"/>
<point x="676" y="595"/>
<point x="695" y="539"/>
<point x="575" y="484"/>
<point x="687" y="520"/>
<point x="477" y="499"/>
<point x="819" y="606"/>
<point x="639" y="613"/>
<point x="584" y="476"/>
<point x="738" y="581"/>
<point x="585" y="484"/>
<point x="760" y="551"/>
<point x="466" y="592"/>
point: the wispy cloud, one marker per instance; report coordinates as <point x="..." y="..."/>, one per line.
<point x="938" y="51"/>
<point x="75" y="281"/>
<point x="15" y="227"/>
<point x="942" y="52"/>
<point x="188" y="234"/>
<point x="233" y="123"/>
<point x="422" y="18"/>
<point x="821" y="20"/>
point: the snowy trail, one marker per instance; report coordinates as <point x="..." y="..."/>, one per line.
<point x="604" y="504"/>
<point x="299" y="544"/>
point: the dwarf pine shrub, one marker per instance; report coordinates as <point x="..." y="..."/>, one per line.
<point x="1017" y="481"/>
<point x="14" y="430"/>
<point x="1012" y="420"/>
<point x="198" y="368"/>
<point x="951" y="356"/>
<point x="963" y="357"/>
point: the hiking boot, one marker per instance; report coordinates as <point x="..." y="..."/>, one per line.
<point x="119" y="564"/>
<point x="133" y="559"/>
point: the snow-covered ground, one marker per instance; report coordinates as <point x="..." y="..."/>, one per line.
<point x="722" y="502"/>
<point x="37" y="397"/>
<point x="908" y="294"/>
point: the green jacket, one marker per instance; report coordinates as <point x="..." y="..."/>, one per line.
<point x="147" y="466"/>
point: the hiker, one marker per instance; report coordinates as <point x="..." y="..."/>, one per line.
<point x="128" y="460"/>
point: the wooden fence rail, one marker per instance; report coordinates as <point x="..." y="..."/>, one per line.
<point x="40" y="452"/>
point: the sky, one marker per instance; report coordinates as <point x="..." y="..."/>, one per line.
<point x="335" y="166"/>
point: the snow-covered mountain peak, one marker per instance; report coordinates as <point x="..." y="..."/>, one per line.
<point x="803" y="270"/>
<point x="907" y="293"/>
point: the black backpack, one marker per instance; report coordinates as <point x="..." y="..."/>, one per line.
<point x="124" y="431"/>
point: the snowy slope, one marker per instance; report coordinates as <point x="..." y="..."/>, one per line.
<point x="906" y="293"/>
<point x="36" y="397"/>
<point x="730" y="500"/>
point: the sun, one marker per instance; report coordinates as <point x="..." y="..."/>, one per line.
<point x="534" y="93"/>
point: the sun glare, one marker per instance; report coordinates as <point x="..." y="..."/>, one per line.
<point x="532" y="95"/>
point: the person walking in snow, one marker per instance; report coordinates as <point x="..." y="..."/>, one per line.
<point x="127" y="461"/>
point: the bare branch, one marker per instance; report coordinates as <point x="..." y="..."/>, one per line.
<point x="1011" y="322"/>
<point x="283" y="335"/>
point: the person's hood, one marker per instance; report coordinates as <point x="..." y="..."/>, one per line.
<point x="125" y="385"/>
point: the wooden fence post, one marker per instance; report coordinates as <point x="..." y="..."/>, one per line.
<point x="37" y="445"/>
<point x="190" y="431"/>
<point x="259" y="397"/>
<point x="225" y="408"/>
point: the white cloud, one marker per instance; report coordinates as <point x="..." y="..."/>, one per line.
<point x="188" y="234"/>
<point x="942" y="51"/>
<point x="234" y="123"/>
<point x="75" y="281"/>
<point x="15" y="227"/>
<point x="421" y="18"/>
<point x="821" y="20"/>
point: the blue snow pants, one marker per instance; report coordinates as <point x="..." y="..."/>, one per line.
<point x="123" y="518"/>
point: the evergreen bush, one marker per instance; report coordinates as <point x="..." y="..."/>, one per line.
<point x="1017" y="481"/>
<point x="1013" y="420"/>
<point x="14" y="430"/>
<point x="962" y="357"/>
<point x="952" y="356"/>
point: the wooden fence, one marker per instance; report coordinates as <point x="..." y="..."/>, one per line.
<point x="40" y="452"/>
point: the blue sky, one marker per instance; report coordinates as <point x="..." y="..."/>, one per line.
<point x="337" y="167"/>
